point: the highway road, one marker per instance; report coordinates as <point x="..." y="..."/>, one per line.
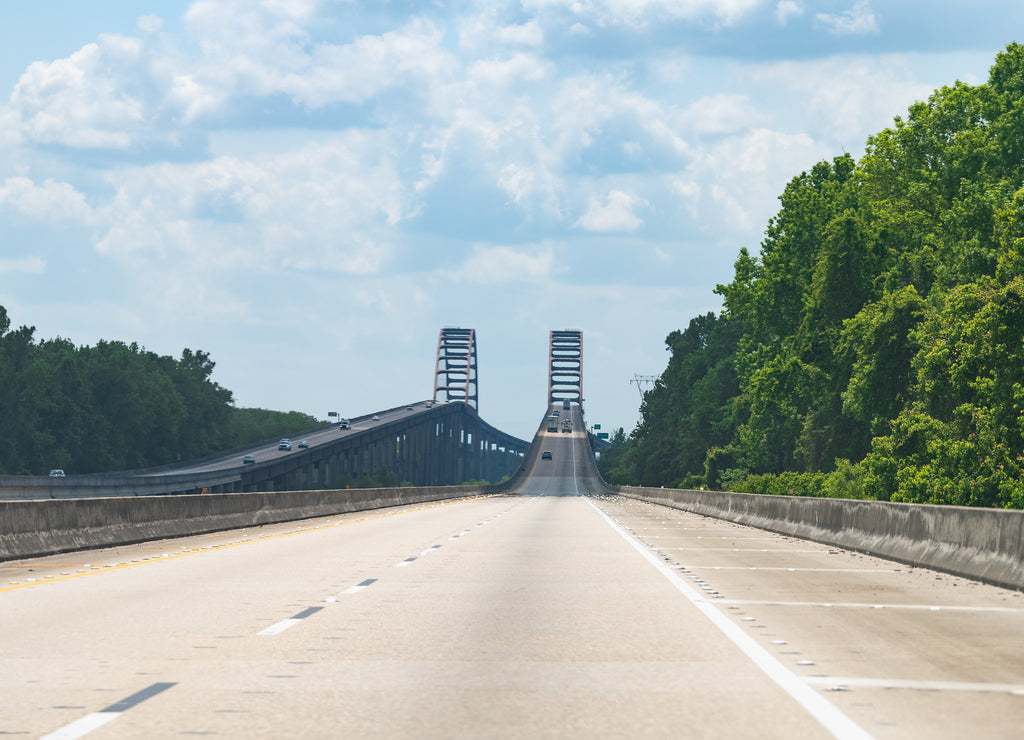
<point x="553" y="611"/>
<point x="332" y="433"/>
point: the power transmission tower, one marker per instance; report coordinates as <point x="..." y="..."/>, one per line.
<point x="641" y="380"/>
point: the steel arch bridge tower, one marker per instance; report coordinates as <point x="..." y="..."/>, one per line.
<point x="565" y="366"/>
<point x="456" y="372"/>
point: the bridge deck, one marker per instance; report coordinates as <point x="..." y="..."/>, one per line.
<point x="540" y="613"/>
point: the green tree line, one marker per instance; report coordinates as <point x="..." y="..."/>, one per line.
<point x="874" y="348"/>
<point x="115" y="406"/>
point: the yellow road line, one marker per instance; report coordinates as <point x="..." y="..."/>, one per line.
<point x="97" y="569"/>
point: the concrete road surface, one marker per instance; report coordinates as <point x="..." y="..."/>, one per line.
<point x="537" y="614"/>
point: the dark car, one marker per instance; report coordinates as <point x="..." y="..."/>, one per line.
<point x="545" y="455"/>
<point x="344" y="424"/>
<point x="303" y="444"/>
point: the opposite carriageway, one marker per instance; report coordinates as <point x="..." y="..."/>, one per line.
<point x="442" y="441"/>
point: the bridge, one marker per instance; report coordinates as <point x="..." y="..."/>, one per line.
<point x="433" y="442"/>
<point x="552" y="605"/>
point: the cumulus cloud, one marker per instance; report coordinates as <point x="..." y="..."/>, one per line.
<point x="497" y="265"/>
<point x="787" y="9"/>
<point x="845" y="98"/>
<point x="641" y="13"/>
<point x="615" y="214"/>
<point x="324" y="206"/>
<point x="857" y="21"/>
<point x="50" y="202"/>
<point x="719" y="114"/>
<point x="482" y="33"/>
<point x="83" y="100"/>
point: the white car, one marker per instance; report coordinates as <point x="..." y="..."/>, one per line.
<point x="56" y="473"/>
<point x="284" y="444"/>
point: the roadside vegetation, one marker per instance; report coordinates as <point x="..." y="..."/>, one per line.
<point x="874" y="348"/>
<point x="115" y="406"/>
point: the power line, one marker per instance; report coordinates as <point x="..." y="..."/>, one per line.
<point x="641" y="380"/>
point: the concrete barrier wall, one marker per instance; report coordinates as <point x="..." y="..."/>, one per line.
<point x="983" y="544"/>
<point x="34" y="528"/>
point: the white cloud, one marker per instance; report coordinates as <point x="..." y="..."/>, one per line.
<point x="502" y="265"/>
<point x="83" y="101"/>
<point x="324" y="206"/>
<point x="843" y="99"/>
<point x="50" y="202"/>
<point x="787" y="9"/>
<point x="616" y="214"/>
<point x="722" y="113"/>
<point x="482" y="34"/>
<point x="857" y="21"/>
<point x="150" y="23"/>
<point x="504" y="73"/>
<point x="28" y="265"/>
<point x="642" y="13"/>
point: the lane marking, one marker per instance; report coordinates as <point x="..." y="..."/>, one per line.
<point x="405" y="563"/>
<point x="837" y="683"/>
<point x="90" y="722"/>
<point x="197" y="550"/>
<point x="870" y="605"/>
<point x="797" y="570"/>
<point x="429" y="550"/>
<point x="359" y="586"/>
<point x="828" y="714"/>
<point x="276" y="629"/>
<point x="742" y="549"/>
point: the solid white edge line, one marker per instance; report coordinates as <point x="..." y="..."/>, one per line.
<point x="828" y="714"/>
<point x="280" y="627"/>
<point x="83" y="726"/>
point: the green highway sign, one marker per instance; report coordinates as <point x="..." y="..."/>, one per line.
<point x="602" y="435"/>
<point x="597" y="426"/>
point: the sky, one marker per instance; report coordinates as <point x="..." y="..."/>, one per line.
<point x="309" y="190"/>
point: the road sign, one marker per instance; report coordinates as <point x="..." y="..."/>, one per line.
<point x="602" y="435"/>
<point x="597" y="426"/>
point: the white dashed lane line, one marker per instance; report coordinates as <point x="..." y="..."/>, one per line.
<point x="276" y="629"/>
<point x="358" y="587"/>
<point x="93" y="721"/>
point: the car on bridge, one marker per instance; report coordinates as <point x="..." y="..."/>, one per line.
<point x="375" y="418"/>
<point x="284" y="444"/>
<point x="545" y="455"/>
<point x="56" y="473"/>
<point x="303" y="444"/>
<point x="249" y="460"/>
<point x="344" y="424"/>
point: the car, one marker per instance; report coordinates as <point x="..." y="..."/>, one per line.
<point x="555" y="412"/>
<point x="249" y="460"/>
<point x="376" y="418"/>
<point x="344" y="424"/>
<point x="56" y="473"/>
<point x="303" y="444"/>
<point x="408" y="408"/>
<point x="284" y="444"/>
<point x="545" y="455"/>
